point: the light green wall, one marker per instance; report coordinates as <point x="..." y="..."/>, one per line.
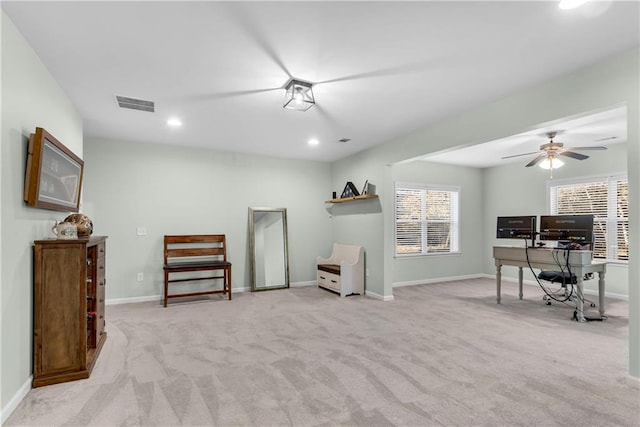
<point x="515" y="190"/>
<point x="174" y="190"/>
<point x="469" y="261"/>
<point x="359" y="223"/>
<point x="609" y="83"/>
<point x="30" y="98"/>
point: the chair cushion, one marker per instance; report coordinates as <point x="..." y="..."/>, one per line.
<point x="329" y="268"/>
<point x="558" y="277"/>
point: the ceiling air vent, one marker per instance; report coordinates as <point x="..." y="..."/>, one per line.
<point x="136" y="104"/>
<point x="344" y="140"/>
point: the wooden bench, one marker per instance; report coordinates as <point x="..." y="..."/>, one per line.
<point x="196" y="253"/>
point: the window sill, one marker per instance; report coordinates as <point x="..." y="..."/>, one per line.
<point x="431" y="255"/>
<point x="615" y="262"/>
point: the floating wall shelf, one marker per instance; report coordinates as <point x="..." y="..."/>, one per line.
<point x="352" y="199"/>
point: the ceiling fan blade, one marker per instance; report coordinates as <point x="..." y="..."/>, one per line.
<point x="328" y="116"/>
<point x="251" y="28"/>
<point x="537" y="160"/>
<point x="384" y="72"/>
<point x="573" y="155"/>
<point x="201" y="97"/>
<point x="452" y="60"/>
<point x="598" y="147"/>
<point x="520" y="155"/>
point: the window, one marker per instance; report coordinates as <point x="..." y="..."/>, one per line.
<point x="426" y="219"/>
<point x="607" y="198"/>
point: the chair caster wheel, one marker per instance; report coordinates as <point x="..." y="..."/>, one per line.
<point x="593" y="305"/>
<point x="548" y="302"/>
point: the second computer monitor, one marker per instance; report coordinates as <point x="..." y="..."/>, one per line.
<point x="567" y="228"/>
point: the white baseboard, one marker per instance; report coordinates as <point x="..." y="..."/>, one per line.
<point x="11" y="406"/>
<point x="633" y="382"/>
<point x="378" y="296"/>
<point x="133" y="300"/>
<point x="301" y="284"/>
<point x="438" y="280"/>
<point x="534" y="283"/>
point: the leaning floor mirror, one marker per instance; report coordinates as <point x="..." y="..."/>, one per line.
<point x="268" y="248"/>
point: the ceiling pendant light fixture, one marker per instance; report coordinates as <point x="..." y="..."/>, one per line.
<point x="298" y="95"/>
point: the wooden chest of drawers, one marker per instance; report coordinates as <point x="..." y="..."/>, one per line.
<point x="68" y="308"/>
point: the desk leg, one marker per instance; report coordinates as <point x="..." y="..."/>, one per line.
<point x="520" y="282"/>
<point x="498" y="281"/>
<point x="580" y="299"/>
<point x="601" y="293"/>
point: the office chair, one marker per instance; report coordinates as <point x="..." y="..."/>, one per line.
<point x="563" y="294"/>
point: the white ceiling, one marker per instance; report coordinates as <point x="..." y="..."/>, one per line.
<point x="381" y="69"/>
<point x="598" y="129"/>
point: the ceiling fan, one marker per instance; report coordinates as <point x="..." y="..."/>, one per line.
<point x="552" y="149"/>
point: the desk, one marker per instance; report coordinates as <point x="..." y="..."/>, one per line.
<point x="580" y="263"/>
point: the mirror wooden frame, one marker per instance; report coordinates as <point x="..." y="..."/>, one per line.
<point x="252" y="248"/>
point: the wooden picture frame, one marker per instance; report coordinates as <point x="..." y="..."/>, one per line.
<point x="53" y="178"/>
<point x="350" y="190"/>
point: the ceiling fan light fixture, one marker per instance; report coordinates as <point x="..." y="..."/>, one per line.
<point x="551" y="163"/>
<point x="298" y="95"/>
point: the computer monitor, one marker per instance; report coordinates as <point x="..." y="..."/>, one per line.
<point x="517" y="227"/>
<point x="567" y="229"/>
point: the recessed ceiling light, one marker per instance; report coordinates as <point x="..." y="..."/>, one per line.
<point x="174" y="122"/>
<point x="571" y="4"/>
<point x="313" y="141"/>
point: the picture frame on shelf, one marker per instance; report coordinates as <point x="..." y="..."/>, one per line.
<point x="350" y="190"/>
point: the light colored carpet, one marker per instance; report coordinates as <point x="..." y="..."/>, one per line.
<point x="440" y="354"/>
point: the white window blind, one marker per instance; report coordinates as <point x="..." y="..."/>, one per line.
<point x="607" y="199"/>
<point x="426" y="219"/>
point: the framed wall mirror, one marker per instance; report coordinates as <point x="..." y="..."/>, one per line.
<point x="268" y="248"/>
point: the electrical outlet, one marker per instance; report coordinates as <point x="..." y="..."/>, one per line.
<point x="140" y="277"/>
<point x="367" y="272"/>
<point x="141" y="231"/>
